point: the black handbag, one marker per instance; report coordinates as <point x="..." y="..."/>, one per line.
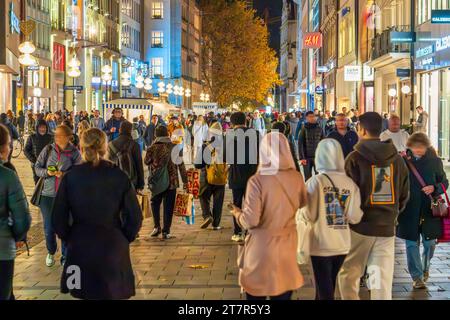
<point x="36" y="197"/>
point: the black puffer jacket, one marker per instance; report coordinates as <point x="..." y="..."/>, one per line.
<point x="308" y="140"/>
<point x="37" y="142"/>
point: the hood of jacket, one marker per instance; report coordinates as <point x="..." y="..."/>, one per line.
<point x="41" y="123"/>
<point x="381" y="153"/>
<point x="329" y="156"/>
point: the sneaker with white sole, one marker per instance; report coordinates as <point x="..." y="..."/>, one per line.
<point x="50" y="260"/>
<point x="235" y="238"/>
<point x="217" y="228"/>
<point x="419" y="284"/>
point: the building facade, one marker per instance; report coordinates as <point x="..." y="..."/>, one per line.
<point x="9" y="54"/>
<point x="288" y="53"/>
<point x="172" y="35"/>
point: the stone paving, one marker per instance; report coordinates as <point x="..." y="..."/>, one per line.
<point x="197" y="264"/>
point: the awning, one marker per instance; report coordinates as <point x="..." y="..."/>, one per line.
<point x="133" y="104"/>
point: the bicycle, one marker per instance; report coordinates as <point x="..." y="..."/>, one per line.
<point x="18" y="146"/>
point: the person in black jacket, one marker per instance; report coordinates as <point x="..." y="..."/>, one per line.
<point x="309" y="138"/>
<point x="417" y="221"/>
<point x="346" y="137"/>
<point x="125" y="143"/>
<point x="36" y="143"/>
<point x="98" y="229"/>
<point x="281" y="127"/>
<point x="242" y="153"/>
<point x="149" y="134"/>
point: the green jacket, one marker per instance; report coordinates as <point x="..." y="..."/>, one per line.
<point x="15" y="218"/>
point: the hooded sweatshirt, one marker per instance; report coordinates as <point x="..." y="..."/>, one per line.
<point x="330" y="209"/>
<point x="383" y="178"/>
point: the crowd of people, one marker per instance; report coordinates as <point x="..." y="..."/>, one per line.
<point x="352" y="178"/>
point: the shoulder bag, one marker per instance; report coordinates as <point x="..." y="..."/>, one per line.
<point x="36" y="197"/>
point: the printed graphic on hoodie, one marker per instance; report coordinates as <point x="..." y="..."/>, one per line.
<point x="335" y="204"/>
<point x="382" y="185"/>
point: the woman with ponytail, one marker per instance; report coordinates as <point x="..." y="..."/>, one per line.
<point x="97" y="214"/>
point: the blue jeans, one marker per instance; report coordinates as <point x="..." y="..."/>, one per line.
<point x="417" y="265"/>
<point x="46" y="206"/>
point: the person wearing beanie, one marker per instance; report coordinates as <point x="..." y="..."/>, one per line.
<point x="36" y="142"/>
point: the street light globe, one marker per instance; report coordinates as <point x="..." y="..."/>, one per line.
<point x="125" y="82"/>
<point x="406" y="89"/>
<point x="148" y="81"/>
<point x="106" y="77"/>
<point x="27" y="47"/>
<point x="27" y="60"/>
<point x="37" y="92"/>
<point x="74" y="73"/>
<point x="140" y="78"/>
<point x="139" y="84"/>
<point x="161" y="90"/>
<point x="74" y="62"/>
<point x="125" y="75"/>
<point x="392" y="92"/>
<point x="106" y="68"/>
<point x="148" y="87"/>
<point x="161" y="84"/>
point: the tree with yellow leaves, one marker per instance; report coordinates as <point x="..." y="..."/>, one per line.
<point x="238" y="64"/>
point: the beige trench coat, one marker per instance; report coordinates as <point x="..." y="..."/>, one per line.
<point x="268" y="265"/>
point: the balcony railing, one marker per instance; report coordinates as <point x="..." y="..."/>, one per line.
<point x="382" y="44"/>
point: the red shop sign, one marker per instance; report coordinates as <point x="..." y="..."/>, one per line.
<point x="312" y="40"/>
<point x="59" y="57"/>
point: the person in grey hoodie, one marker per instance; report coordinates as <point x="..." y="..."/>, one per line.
<point x="383" y="179"/>
<point x="53" y="162"/>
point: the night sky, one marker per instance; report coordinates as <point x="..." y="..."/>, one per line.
<point x="274" y="9"/>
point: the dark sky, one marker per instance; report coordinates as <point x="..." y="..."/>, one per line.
<point x="274" y="8"/>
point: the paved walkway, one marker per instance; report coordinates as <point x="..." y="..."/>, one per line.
<point x="197" y="264"/>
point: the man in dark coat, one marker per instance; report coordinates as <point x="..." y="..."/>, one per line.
<point x="346" y="137"/>
<point x="149" y="134"/>
<point x="36" y="143"/>
<point x="13" y="133"/>
<point x="112" y="126"/>
<point x="309" y="138"/>
<point x="125" y="144"/>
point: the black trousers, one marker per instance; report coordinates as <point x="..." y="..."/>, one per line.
<point x="285" y="296"/>
<point x="218" y="194"/>
<point x="167" y="198"/>
<point x="238" y="198"/>
<point x="6" y="280"/>
<point x="326" y="270"/>
<point x="308" y="169"/>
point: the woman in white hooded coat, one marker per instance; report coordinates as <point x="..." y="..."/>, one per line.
<point x="334" y="202"/>
<point x="200" y="133"/>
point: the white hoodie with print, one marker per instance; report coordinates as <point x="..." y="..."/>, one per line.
<point x="330" y="210"/>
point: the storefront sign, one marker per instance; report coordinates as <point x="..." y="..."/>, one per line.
<point x="14" y="22"/>
<point x="319" y="90"/>
<point x="422" y="52"/>
<point x="427" y="61"/>
<point x="59" y="57"/>
<point x="322" y="69"/>
<point x="72" y="88"/>
<point x="352" y="73"/>
<point x="403" y="73"/>
<point x="443" y="43"/>
<point x="440" y="16"/>
<point x="369" y="74"/>
<point x="403" y="37"/>
<point x="312" y="40"/>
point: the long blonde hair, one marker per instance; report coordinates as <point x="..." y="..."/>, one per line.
<point x="83" y="126"/>
<point x="93" y="145"/>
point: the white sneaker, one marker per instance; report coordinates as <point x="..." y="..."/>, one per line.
<point x="50" y="260"/>
<point x="235" y="238"/>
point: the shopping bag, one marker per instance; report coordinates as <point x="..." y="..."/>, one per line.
<point x="183" y="205"/>
<point x="193" y="186"/>
<point x="445" y="230"/>
<point x="190" y="220"/>
<point x="304" y="231"/>
<point x="144" y="203"/>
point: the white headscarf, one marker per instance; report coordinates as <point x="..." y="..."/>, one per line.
<point x="275" y="154"/>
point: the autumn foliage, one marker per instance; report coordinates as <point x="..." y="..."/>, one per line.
<point x="238" y="64"/>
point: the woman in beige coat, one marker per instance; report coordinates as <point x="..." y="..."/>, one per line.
<point x="267" y="261"/>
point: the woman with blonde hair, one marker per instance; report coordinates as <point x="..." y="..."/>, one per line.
<point x="83" y="126"/>
<point x="98" y="229"/>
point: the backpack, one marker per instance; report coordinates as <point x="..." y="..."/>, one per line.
<point x="123" y="159"/>
<point x="135" y="132"/>
<point x="216" y="173"/>
<point x="159" y="180"/>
